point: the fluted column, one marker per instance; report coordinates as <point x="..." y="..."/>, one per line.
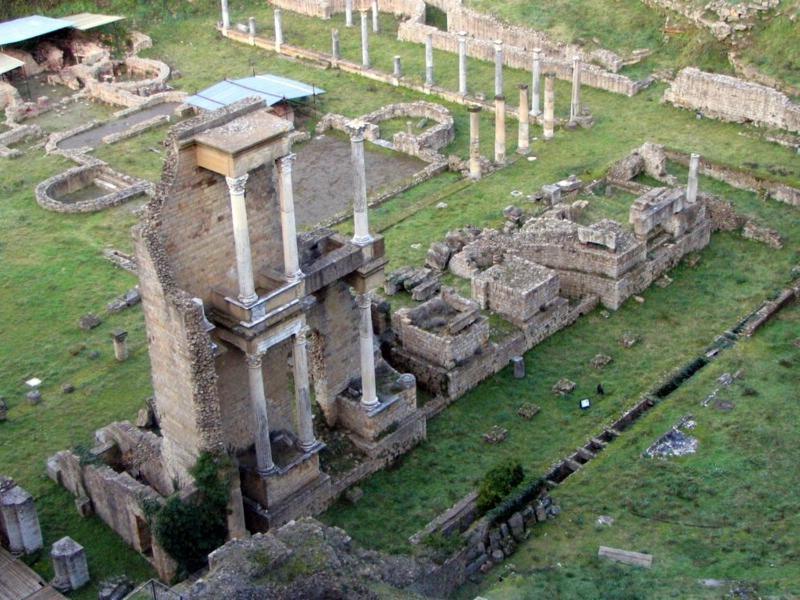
<point x="226" y="16"/>
<point x="462" y="63"/>
<point x="575" y="105"/>
<point x="258" y="401"/>
<point x="364" y="40"/>
<point x="291" y="261"/>
<point x="348" y="13"/>
<point x="523" y="141"/>
<point x="429" y="59"/>
<point x="475" y="142"/>
<point x="498" y="68"/>
<point x="278" y="29"/>
<point x="375" y="22"/>
<point x="241" y="240"/>
<point x="500" y="130"/>
<point x="360" y="209"/>
<point x="536" y="96"/>
<point x="369" y="396"/>
<point x="305" y="422"/>
<point x="691" y="187"/>
<point x="549" y="105"/>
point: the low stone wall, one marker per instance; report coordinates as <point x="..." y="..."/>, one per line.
<point x="16" y="135"/>
<point x="731" y="99"/>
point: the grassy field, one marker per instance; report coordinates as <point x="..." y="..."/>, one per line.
<point x="53" y="273"/>
<point x="723" y="513"/>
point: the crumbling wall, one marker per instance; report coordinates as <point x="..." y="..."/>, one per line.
<point x="731" y="99"/>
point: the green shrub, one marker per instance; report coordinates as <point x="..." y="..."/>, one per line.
<point x="189" y="530"/>
<point x="498" y="483"/>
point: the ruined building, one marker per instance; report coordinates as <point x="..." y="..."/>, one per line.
<point x="249" y="327"/>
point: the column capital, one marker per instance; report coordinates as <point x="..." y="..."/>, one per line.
<point x="462" y="35"/>
<point x="301" y="337"/>
<point x="356" y="130"/>
<point x="364" y="301"/>
<point x="475" y="108"/>
<point x="537" y="52"/>
<point x="285" y="163"/>
<point x="253" y="361"/>
<point x="576" y="58"/>
<point x="523" y="87"/>
<point x="498" y="44"/>
<point x="236" y="185"/>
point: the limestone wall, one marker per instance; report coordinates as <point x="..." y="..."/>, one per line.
<point x="731" y="99"/>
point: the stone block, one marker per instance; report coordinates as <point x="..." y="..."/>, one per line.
<point x="69" y="565"/>
<point x="517" y="526"/>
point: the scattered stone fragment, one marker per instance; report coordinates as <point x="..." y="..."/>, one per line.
<point x="354" y="494"/>
<point x="563" y="387"/>
<point x="89" y="321"/>
<point x="605" y="521"/>
<point x="416" y="246"/>
<point x="692" y="260"/>
<point x="426" y="290"/>
<point x="639" y="299"/>
<point x="441" y="205"/>
<point x="664" y="281"/>
<point x="34" y="397"/>
<point x="636" y="559"/>
<point x="115" y="588"/>
<point x="438" y="256"/>
<point x="495" y="435"/>
<point x="725" y="379"/>
<point x="605" y="314"/>
<point x="675" y="442"/>
<point x="498" y="556"/>
<point x="527" y="411"/>
<point x="629" y="340"/>
<point x="600" y="360"/>
<point x="724" y="405"/>
<point x="67" y="388"/>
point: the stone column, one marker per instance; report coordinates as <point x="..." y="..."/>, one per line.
<point x="537" y="83"/>
<point x="429" y="59"/>
<point x="251" y="28"/>
<point x="241" y="239"/>
<point x="258" y="401"/>
<point x="375" y="23"/>
<point x="475" y="142"/>
<point x="691" y="187"/>
<point x="291" y="261"/>
<point x="226" y="16"/>
<point x="364" y="40"/>
<point x="398" y="67"/>
<point x="278" y="29"/>
<point x="69" y="565"/>
<point x="336" y="51"/>
<point x="361" y="235"/>
<point x="462" y="63"/>
<point x="549" y="105"/>
<point x="348" y="13"/>
<point x="500" y="130"/>
<point x="18" y="514"/>
<point x="305" y="423"/>
<point x="523" y="142"/>
<point x="575" y="105"/>
<point x="498" y="68"/>
<point x="120" y="339"/>
<point x="369" y="396"/>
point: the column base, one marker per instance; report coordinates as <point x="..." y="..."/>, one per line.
<point x="363" y="240"/>
<point x="523" y="151"/>
<point x="311" y="446"/>
<point x="248" y="301"/>
<point x="273" y="470"/>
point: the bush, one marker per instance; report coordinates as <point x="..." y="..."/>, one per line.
<point x="189" y="530"/>
<point x="498" y="483"/>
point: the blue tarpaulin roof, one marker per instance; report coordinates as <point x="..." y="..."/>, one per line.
<point x="271" y="88"/>
<point x="19" y="30"/>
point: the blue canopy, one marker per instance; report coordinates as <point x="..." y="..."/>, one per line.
<point x="26" y="28"/>
<point x="271" y="88"/>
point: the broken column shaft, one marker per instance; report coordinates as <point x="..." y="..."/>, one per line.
<point x="536" y="92"/>
<point x="549" y="105"/>
<point x="398" y="67"/>
<point x="475" y="142"/>
<point x="278" y="29"/>
<point x="336" y="50"/>
<point x="575" y="105"/>
<point x="19" y="519"/>
<point x="348" y="13"/>
<point x="226" y="16"/>
<point x="251" y="28"/>
<point x="120" y="340"/>
<point x="375" y="21"/>
<point x="462" y="63"/>
<point x="691" y="186"/>
<point x="523" y="142"/>
<point x="429" y="59"/>
<point x="500" y="130"/>
<point x="498" y="68"/>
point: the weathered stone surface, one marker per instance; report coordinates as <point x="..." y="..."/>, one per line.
<point x="563" y="387"/>
<point x="518" y="364"/>
<point x="438" y="256"/>
<point x="600" y="360"/>
<point x="517" y="526"/>
<point x="89" y="321"/>
<point x="34" y="397"/>
<point x="3" y="409"/>
<point x="765" y="235"/>
<point x="629" y="340"/>
<point x="527" y="411"/>
<point x="115" y="588"/>
<point x="354" y="494"/>
<point x="495" y="435"/>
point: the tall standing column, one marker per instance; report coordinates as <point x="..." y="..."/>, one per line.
<point x="537" y="83"/>
<point x="498" y="68"/>
<point x="291" y="262"/>
<point x="226" y="16"/>
<point x="251" y="28"/>
<point x="278" y="29"/>
<point x="336" y="49"/>
<point x="500" y="130"/>
<point x="462" y="63"/>
<point x="523" y="142"/>
<point x="475" y="142"/>
<point x="361" y="236"/>
<point x="348" y="13"/>
<point x="549" y="105"/>
<point x="241" y="239"/>
<point x="369" y="396"/>
<point x="691" y="187"/>
<point x="575" y="105"/>
<point x="258" y="401"/>
<point x="429" y="59"/>
<point x="375" y="22"/>
<point x="364" y="40"/>
<point x="305" y="423"/>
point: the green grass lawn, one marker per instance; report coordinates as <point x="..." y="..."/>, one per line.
<point x="724" y="513"/>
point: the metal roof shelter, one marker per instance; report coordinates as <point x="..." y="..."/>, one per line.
<point x="271" y="88"/>
<point x="9" y="63"/>
<point x="86" y="21"/>
<point x="26" y="28"/>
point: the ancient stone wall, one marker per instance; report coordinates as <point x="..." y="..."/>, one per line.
<point x="731" y="99"/>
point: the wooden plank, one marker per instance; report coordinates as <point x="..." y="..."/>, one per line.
<point x="626" y="556"/>
<point x="17" y="580"/>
